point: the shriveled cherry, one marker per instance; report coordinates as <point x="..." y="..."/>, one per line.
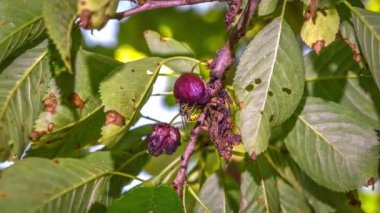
<point x="191" y="90"/>
<point x="164" y="139"/>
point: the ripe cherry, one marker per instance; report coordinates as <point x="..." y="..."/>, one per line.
<point x="191" y="90"/>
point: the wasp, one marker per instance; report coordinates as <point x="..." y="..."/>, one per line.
<point x="189" y="113"/>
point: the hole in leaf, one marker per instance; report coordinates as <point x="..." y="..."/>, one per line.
<point x="258" y="81"/>
<point x="287" y="90"/>
<point x="249" y="88"/>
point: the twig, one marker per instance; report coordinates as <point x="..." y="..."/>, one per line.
<point x="156" y="4"/>
<point x="181" y="175"/>
<point x="223" y="60"/>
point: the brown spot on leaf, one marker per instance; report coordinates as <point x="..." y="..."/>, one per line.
<point x="77" y="101"/>
<point x="287" y="90"/>
<point x="371" y="182"/>
<point x="3" y="195"/>
<point x="78" y="146"/>
<point x="50" y="103"/>
<point x="270" y="93"/>
<point x="85" y="19"/>
<point x="258" y="81"/>
<point x="253" y="155"/>
<point x="56" y="161"/>
<point x="318" y="46"/>
<point x="357" y="57"/>
<point x="249" y="88"/>
<point x="113" y="117"/>
<point x="307" y="15"/>
<point x="34" y="135"/>
<point x="353" y="200"/>
<point x="50" y="127"/>
<point x="241" y="105"/>
<point x="271" y="118"/>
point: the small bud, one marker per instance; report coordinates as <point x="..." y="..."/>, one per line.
<point x="164" y="139"/>
<point x="94" y="14"/>
<point x="191" y="89"/>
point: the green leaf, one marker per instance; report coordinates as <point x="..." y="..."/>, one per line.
<point x="91" y="70"/>
<point x="216" y="194"/>
<point x="323" y="28"/>
<point x="129" y="156"/>
<point x="269" y="85"/>
<point x="267" y="7"/>
<point x="319" y="198"/>
<point x="290" y="199"/>
<point x="59" y="185"/>
<point x="59" y="18"/>
<point x="258" y="188"/>
<point x="161" y="46"/>
<point x="331" y="143"/>
<point x="132" y="146"/>
<point x="23" y="85"/>
<point x="74" y="126"/>
<point x="348" y="33"/>
<point x="21" y="23"/>
<point x="148" y="199"/>
<point x="341" y="80"/>
<point x="125" y="91"/>
<point x="367" y="27"/>
<point x="69" y="141"/>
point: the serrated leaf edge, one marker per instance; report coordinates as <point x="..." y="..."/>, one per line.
<point x="21" y="81"/>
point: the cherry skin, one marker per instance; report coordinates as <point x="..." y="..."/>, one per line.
<point x="191" y="90"/>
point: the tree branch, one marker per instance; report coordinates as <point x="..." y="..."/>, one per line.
<point x="223" y="60"/>
<point x="156" y="4"/>
<point x="181" y="175"/>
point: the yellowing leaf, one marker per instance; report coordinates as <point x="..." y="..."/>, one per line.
<point x="323" y="28"/>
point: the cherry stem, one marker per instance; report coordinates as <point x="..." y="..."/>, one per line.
<point x="150" y="118"/>
<point x="173" y="119"/>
